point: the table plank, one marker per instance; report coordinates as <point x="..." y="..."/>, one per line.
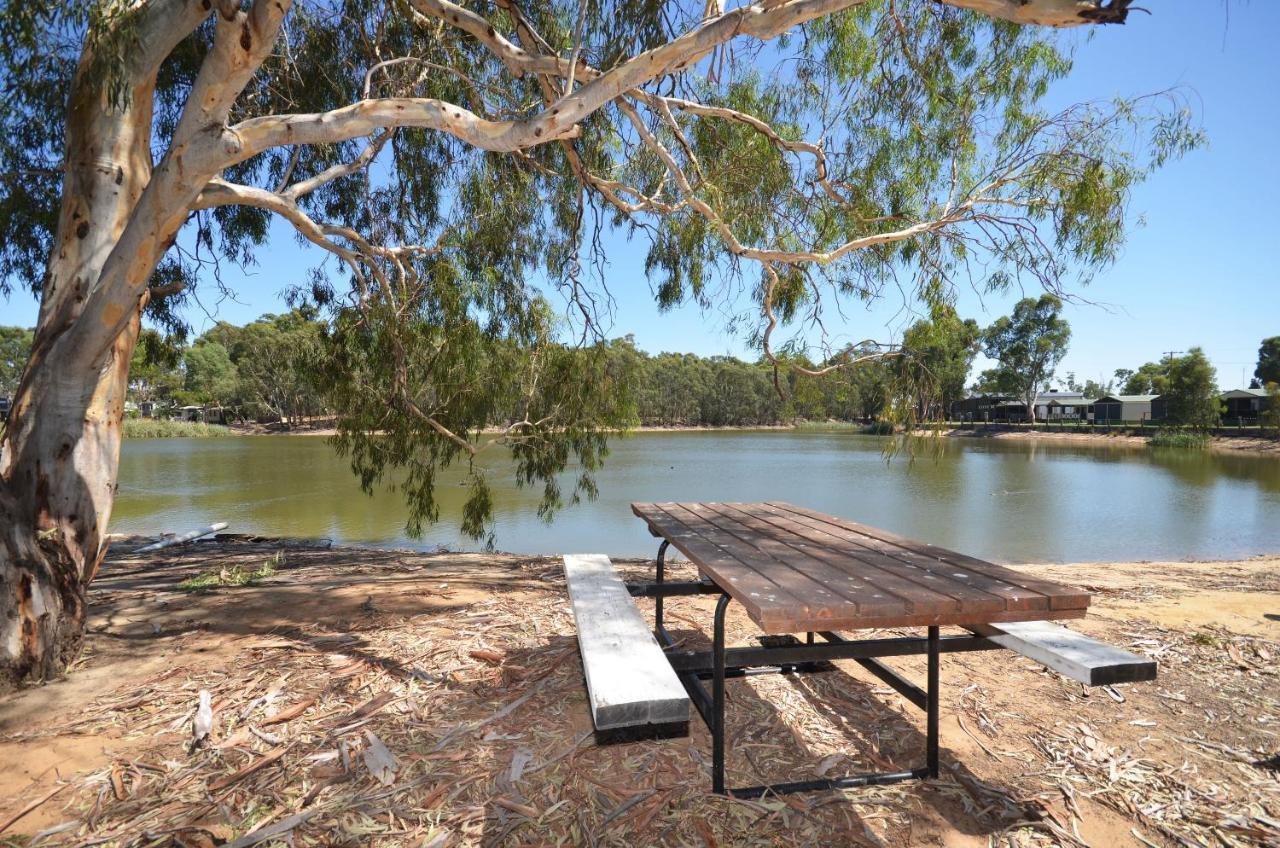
<point x="1060" y="596"/>
<point x="871" y="584"/>
<point x="798" y="570"/>
<point x="763" y="598"/>
<point x="799" y="583"/>
<point x="974" y="590"/>
<point x="883" y="570"/>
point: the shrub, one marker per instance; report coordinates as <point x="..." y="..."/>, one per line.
<point x="160" y="428"/>
<point x="236" y="575"/>
<point x="1179" y="439"/>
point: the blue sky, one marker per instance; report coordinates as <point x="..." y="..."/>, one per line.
<point x="1201" y="270"/>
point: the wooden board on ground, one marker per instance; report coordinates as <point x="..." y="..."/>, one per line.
<point x="1069" y="653"/>
<point x="797" y="570"/>
<point x="629" y="681"/>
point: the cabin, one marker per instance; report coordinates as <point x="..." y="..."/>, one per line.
<point x="979" y="407"/>
<point x="1244" y="406"/>
<point x="1009" y="411"/>
<point x="1117" y="409"/>
<point x="1068" y="409"/>
<point x="1054" y="405"/>
<point x="202" y="414"/>
<point x="147" y="408"/>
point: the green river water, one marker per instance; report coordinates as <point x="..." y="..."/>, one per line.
<point x="1008" y="501"/>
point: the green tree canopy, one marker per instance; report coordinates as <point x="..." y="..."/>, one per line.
<point x="938" y="354"/>
<point x="1028" y="345"/>
<point x="210" y="374"/>
<point x="1268" y="370"/>
<point x="1270" y="418"/>
<point x="1191" y="391"/>
<point x="154" y="373"/>
<point x="15" y="345"/>
<point x="1150" y="379"/>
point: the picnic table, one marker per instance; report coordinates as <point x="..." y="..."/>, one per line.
<point x="799" y="571"/>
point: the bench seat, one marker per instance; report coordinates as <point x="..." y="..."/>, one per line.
<point x="630" y="683"/>
<point x="1069" y="653"/>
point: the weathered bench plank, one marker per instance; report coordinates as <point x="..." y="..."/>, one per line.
<point x="1069" y="653"/>
<point x="629" y="681"/>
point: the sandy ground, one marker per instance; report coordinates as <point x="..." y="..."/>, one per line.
<point x="465" y="669"/>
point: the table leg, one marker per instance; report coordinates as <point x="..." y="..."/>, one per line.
<point x="657" y="604"/>
<point x="931" y="720"/>
<point x="717" y="698"/>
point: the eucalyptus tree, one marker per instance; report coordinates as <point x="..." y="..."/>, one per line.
<point x="1027" y="345"/>
<point x="439" y="155"/>
<point x="1191" y="391"/>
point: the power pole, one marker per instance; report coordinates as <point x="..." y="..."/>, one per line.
<point x="1170" y="354"/>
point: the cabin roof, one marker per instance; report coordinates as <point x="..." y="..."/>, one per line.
<point x="1127" y="398"/>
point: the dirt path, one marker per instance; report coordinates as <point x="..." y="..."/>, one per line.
<point x="465" y="668"/>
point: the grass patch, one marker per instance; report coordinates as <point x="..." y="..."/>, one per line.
<point x="236" y="575"/>
<point x="827" y="425"/>
<point x="877" y="428"/>
<point x="1179" y="439"/>
<point x="160" y="428"/>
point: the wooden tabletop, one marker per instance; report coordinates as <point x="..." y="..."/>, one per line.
<point x="797" y="570"/>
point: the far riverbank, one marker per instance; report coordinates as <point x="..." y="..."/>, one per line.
<point x="1242" y="443"/>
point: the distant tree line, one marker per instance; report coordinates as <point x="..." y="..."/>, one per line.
<point x="278" y="368"/>
<point x="265" y="370"/>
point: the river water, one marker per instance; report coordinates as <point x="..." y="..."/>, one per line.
<point x="1007" y="501"/>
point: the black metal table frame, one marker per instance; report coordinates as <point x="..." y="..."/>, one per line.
<point x="721" y="662"/>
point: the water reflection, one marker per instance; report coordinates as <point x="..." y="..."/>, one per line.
<point x="1003" y="500"/>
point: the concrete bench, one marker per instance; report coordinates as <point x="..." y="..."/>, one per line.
<point x="1069" y="653"/>
<point x="632" y="688"/>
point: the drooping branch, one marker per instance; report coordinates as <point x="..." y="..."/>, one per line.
<point x="879" y="350"/>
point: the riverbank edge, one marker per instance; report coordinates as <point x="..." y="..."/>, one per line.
<point x="1231" y="444"/>
<point x="1248" y="444"/>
